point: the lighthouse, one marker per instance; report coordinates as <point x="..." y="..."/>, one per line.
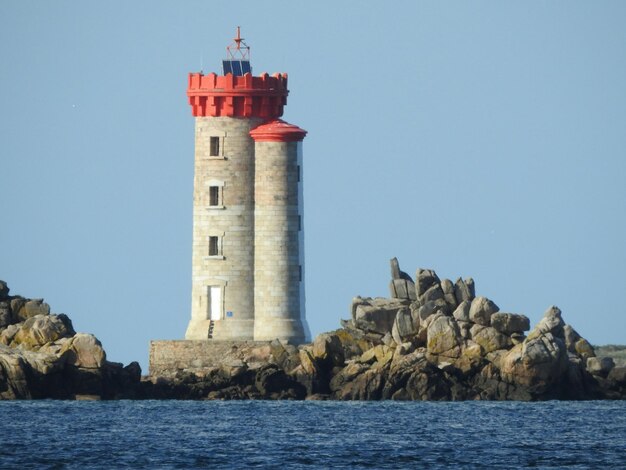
<point x="248" y="238"/>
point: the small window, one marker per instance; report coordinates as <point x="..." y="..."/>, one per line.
<point x="300" y="272"/>
<point x="214" y="151"/>
<point x="214" y="196"/>
<point x="298" y="173"/>
<point x="299" y="223"/>
<point x="214" y="246"/>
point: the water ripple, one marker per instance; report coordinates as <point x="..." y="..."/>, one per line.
<point x="305" y="435"/>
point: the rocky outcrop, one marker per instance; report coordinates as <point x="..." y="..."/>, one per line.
<point x="41" y="356"/>
<point x="434" y="339"/>
<point x="439" y="342"/>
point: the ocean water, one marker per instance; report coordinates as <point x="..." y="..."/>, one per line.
<point x="284" y="434"/>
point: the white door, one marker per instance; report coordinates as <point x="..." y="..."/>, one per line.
<point x="215" y="302"/>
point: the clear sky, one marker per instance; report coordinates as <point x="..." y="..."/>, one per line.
<point x="483" y="139"/>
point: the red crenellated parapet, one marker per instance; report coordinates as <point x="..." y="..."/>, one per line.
<point x="238" y="96"/>
<point x="277" y="131"/>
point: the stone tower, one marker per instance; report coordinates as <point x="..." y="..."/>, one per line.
<point x="247" y="266"/>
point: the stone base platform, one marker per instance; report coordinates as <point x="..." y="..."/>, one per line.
<point x="167" y="357"/>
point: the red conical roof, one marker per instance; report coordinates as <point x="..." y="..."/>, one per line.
<point x="277" y="131"/>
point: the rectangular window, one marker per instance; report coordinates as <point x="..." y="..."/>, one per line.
<point x="214" y="247"/>
<point x="300" y="272"/>
<point x="214" y="151"/>
<point x="214" y="196"/>
<point x="299" y="223"/>
<point x="298" y="173"/>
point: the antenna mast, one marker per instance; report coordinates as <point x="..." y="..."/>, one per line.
<point x="238" y="50"/>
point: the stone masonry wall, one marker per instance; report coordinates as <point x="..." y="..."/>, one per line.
<point x="170" y="357"/>
<point x="277" y="223"/>
<point x="232" y="221"/>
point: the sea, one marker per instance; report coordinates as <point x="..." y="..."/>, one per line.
<point x="312" y="434"/>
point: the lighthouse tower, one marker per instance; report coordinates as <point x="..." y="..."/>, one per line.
<point x="247" y="265"/>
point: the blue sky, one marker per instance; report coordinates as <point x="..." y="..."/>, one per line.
<point x="483" y="139"/>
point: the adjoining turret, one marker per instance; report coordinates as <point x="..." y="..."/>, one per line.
<point x="278" y="233"/>
<point x="247" y="266"/>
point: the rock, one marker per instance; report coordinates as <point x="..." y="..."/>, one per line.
<point x="133" y="370"/>
<point x="13" y="375"/>
<point x="424" y="280"/>
<point x="464" y="290"/>
<point x="55" y="348"/>
<point x="346" y="375"/>
<point x="537" y="363"/>
<point x="29" y="309"/>
<point x="481" y="310"/>
<point x="430" y="308"/>
<point x="84" y="351"/>
<point x="469" y="283"/>
<point x="489" y="338"/>
<point x="443" y="337"/>
<point x="380" y="354"/>
<point x="6" y="337"/>
<point x="550" y="323"/>
<point x="310" y="374"/>
<point x="5" y="314"/>
<point x="388" y="340"/>
<point x="426" y="384"/>
<point x="366" y="386"/>
<point x="279" y="353"/>
<point x="356" y="301"/>
<point x="576" y="344"/>
<point x="401" y="285"/>
<point x="395" y="268"/>
<point x="307" y="362"/>
<point x="490" y="386"/>
<point x="41" y="356"/>
<point x="411" y="377"/>
<point x="618" y="376"/>
<point x="353" y="342"/>
<point x="517" y="338"/>
<point x="31" y="374"/>
<point x="4" y="290"/>
<point x="496" y="357"/>
<point x="461" y="313"/>
<point x="328" y="350"/>
<point x="404" y="326"/>
<point x="404" y="349"/>
<point x="272" y="382"/>
<point x="575" y="379"/>
<point x="377" y="315"/>
<point x="41" y="329"/>
<point x="433" y="294"/>
<point x="465" y="328"/>
<point x="402" y="289"/>
<point x="397" y="273"/>
<point x="448" y="293"/>
<point x="600" y="365"/>
<point x="471" y="359"/>
<point x="509" y="323"/>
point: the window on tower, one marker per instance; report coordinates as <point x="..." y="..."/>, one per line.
<point x="215" y="249"/>
<point x="215" y="196"/>
<point x="214" y="150"/>
<point x="214" y="246"/>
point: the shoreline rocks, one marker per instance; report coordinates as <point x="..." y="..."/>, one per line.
<point x="439" y="342"/>
<point x="434" y="339"/>
<point x="41" y="356"/>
